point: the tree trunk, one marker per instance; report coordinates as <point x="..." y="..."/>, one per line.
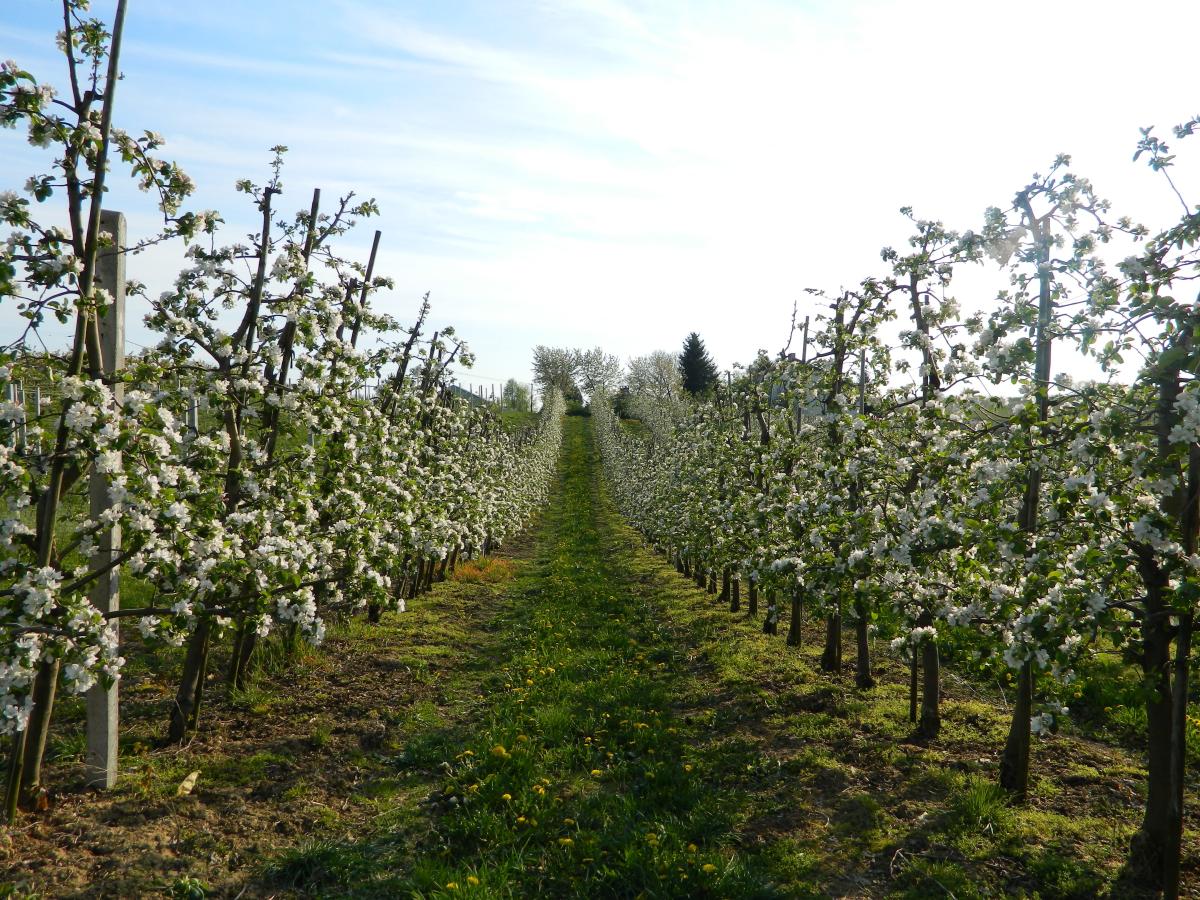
<point x="771" y="622"/>
<point x="914" y="678"/>
<point x="726" y="585"/>
<point x="235" y="655"/>
<point x="292" y="638"/>
<point x="752" y="598"/>
<point x="712" y="581"/>
<point x="1189" y="520"/>
<point x="45" y="685"/>
<point x="795" y="635"/>
<point x="16" y="763"/>
<point x="441" y="569"/>
<point x="831" y="659"/>
<point x="1172" y="858"/>
<point x="862" y="674"/>
<point x="201" y="682"/>
<point x="931" y="714"/>
<point x="735" y="595"/>
<point x="183" y="712"/>
<point x="245" y="657"/>
<point x="1148" y="850"/>
<point x="1014" y="763"/>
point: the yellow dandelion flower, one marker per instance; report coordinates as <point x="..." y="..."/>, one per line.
<point x="568" y="821"/>
<point x="472" y="880"/>
<point x="687" y="767"/>
<point x="452" y="885"/>
<point x="499" y="752"/>
<point x="506" y="797"/>
<point x="692" y="848"/>
<point x="566" y="842"/>
<point x="708" y="867"/>
<point x="596" y="772"/>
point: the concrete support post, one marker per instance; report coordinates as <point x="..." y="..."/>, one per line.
<point x="102" y="716"/>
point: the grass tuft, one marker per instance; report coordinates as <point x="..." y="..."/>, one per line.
<point x="487" y="570"/>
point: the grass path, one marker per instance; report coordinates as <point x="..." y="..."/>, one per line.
<point x="575" y="777"/>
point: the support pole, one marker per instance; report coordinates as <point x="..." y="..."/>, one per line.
<point x="102" y="716"/>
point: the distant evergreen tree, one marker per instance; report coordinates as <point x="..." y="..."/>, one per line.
<point x="696" y="367"/>
<point x="620" y="402"/>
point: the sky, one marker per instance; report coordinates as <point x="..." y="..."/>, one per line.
<point x="614" y="173"/>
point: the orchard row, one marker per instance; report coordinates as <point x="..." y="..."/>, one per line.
<point x="238" y="474"/>
<point x="920" y="469"/>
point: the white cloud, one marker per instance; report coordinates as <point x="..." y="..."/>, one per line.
<point x="617" y="172"/>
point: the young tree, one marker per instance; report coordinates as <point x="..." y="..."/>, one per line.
<point x="696" y="367"/>
<point x="50" y="627"/>
<point x="516" y="395"/>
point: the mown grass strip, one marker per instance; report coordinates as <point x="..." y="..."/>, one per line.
<point x="578" y="780"/>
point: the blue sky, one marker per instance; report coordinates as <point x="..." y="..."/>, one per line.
<point x="608" y="172"/>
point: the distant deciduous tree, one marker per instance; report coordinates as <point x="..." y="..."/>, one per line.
<point x="696" y="367"/>
<point x="597" y="370"/>
<point x="516" y="395"/>
<point x="655" y="375"/>
<point x="556" y="367"/>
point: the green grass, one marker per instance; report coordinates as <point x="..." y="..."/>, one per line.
<point x="516" y="419"/>
<point x="577" y="779"/>
<point x="632" y="738"/>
